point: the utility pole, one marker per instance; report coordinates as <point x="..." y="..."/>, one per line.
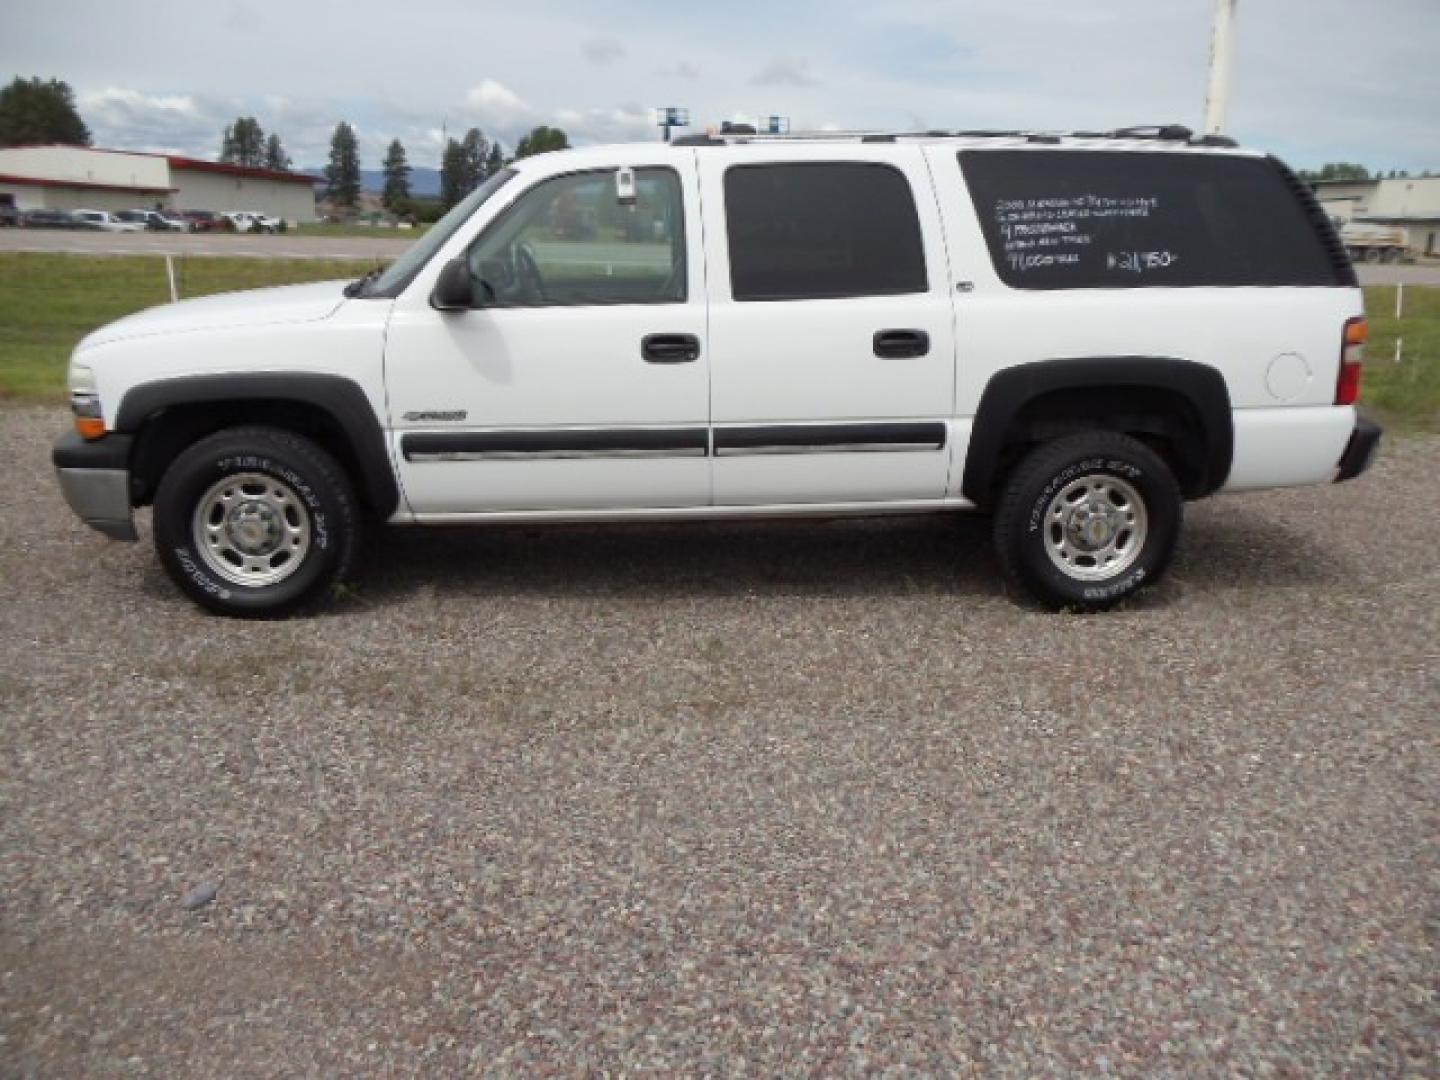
<point x="1217" y="98"/>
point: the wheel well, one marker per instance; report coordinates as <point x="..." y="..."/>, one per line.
<point x="1166" y="421"/>
<point x="168" y="431"/>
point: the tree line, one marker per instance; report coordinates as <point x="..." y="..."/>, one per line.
<point x="1349" y="170"/>
<point x="43" y="112"/>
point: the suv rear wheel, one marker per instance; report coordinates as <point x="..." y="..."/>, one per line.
<point x="1087" y="520"/>
<point x="255" y="521"/>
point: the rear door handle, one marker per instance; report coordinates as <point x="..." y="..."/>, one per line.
<point x="670" y="348"/>
<point x="901" y="343"/>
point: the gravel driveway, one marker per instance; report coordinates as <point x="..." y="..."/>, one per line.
<point x="785" y="798"/>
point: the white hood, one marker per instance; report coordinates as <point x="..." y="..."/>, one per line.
<point x="255" y="307"/>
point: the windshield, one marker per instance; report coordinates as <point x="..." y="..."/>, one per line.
<point x="399" y="273"/>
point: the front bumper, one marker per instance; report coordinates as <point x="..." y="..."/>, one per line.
<point x="1360" y="450"/>
<point x="95" y="480"/>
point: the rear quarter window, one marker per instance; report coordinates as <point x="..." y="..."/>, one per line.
<point x="1120" y="219"/>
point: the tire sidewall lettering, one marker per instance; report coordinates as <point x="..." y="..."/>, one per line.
<point x="255" y="463"/>
<point x="1112" y="466"/>
<point x="192" y="568"/>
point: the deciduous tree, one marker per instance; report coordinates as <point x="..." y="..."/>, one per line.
<point x="542" y="140"/>
<point x="40" y="111"/>
<point x="475" y="149"/>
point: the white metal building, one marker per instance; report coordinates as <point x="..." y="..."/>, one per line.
<point x="74" y="177"/>
<point x="1410" y="203"/>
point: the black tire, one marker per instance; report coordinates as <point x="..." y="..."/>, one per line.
<point x="1032" y="515"/>
<point x="302" y="518"/>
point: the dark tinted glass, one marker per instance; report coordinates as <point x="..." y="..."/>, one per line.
<point x="1107" y="220"/>
<point x="809" y="231"/>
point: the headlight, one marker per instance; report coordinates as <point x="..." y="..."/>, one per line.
<point x="85" y="402"/>
<point x="81" y="378"/>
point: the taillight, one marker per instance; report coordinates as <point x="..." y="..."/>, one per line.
<point x="1352" y="360"/>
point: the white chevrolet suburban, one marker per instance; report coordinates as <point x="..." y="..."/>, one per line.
<point x="1075" y="333"/>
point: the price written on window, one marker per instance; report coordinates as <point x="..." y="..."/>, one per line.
<point x="1140" y="262"/>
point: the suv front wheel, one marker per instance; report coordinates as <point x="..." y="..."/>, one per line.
<point x="1085" y="521"/>
<point x="255" y="521"/>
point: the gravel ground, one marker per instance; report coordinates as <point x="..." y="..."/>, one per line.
<point x="784" y="798"/>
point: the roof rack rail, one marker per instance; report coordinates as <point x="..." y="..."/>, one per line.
<point x="739" y="134"/>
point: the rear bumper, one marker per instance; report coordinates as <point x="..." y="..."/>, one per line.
<point x="95" y="480"/>
<point x="1360" y="450"/>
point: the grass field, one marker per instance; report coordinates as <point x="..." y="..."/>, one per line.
<point x="1404" y="395"/>
<point x="48" y="302"/>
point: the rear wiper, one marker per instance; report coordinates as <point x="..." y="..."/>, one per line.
<point x="357" y="287"/>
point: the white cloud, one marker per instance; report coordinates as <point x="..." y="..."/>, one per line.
<point x="493" y="95"/>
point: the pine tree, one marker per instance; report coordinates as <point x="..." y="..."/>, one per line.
<point x="35" y="111"/>
<point x="397" y="176"/>
<point x="275" y="156"/>
<point x="496" y="161"/>
<point x="452" y="174"/>
<point x="342" y="174"/>
<point x="243" y="143"/>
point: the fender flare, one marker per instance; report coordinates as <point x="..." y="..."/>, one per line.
<point x="1010" y="390"/>
<point x="339" y="397"/>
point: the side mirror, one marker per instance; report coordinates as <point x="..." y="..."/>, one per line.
<point x="453" y="289"/>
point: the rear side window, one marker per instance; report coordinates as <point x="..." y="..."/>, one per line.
<point x="1119" y="219"/>
<point x="819" y="230"/>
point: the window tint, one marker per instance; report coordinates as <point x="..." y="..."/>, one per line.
<point x="814" y="230"/>
<point x="570" y="241"/>
<point x="1107" y="220"/>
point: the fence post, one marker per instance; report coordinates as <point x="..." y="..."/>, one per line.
<point x="1399" y="299"/>
<point x="170" y="273"/>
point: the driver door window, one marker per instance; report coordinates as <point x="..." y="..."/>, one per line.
<point x="569" y="242"/>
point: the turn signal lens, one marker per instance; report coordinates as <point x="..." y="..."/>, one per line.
<point x="1352" y="359"/>
<point x="90" y="427"/>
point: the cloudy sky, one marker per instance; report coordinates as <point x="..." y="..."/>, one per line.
<point x="1314" y="80"/>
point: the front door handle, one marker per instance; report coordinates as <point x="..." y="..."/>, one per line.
<point x="901" y="343"/>
<point x="670" y="348"/>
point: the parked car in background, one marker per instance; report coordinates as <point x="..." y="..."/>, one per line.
<point x="250" y="221"/>
<point x="203" y="220"/>
<point x="174" y="221"/>
<point x="48" y="219"/>
<point x="149" y="219"/>
<point x="106" y="221"/>
<point x="9" y="216"/>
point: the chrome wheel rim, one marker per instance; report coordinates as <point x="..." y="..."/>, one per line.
<point x="252" y="529"/>
<point x="1095" y="527"/>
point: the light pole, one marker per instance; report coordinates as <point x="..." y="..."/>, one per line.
<point x="1217" y="98"/>
<point x="668" y="117"/>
